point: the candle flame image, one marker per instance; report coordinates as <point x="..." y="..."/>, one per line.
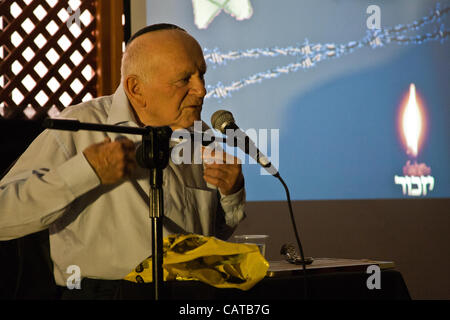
<point x="412" y="122"/>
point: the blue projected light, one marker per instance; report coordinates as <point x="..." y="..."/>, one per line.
<point x="310" y="54"/>
<point x="342" y="128"/>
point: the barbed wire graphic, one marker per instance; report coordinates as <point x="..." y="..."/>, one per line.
<point x="309" y="54"/>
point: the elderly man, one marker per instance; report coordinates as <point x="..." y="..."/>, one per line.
<point x="85" y="186"/>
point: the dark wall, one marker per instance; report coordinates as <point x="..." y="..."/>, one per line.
<point x="15" y="136"/>
<point x="415" y="234"/>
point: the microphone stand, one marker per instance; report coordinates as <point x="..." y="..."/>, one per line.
<point x="153" y="154"/>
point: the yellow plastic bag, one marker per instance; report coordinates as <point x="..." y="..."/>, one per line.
<point x="219" y="263"/>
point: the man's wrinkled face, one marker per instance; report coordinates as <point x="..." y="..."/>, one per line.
<point x="174" y="88"/>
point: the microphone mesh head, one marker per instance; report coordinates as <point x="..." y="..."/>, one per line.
<point x="220" y="119"/>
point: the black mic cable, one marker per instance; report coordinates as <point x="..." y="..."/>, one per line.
<point x="222" y="120"/>
<point x="303" y="262"/>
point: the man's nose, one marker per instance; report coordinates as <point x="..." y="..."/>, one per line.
<point x="198" y="87"/>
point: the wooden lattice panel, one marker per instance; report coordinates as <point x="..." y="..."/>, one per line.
<point x="48" y="56"/>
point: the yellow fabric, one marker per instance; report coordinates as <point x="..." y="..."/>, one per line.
<point x="219" y="263"/>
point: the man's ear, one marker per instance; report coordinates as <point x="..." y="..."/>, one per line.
<point x="133" y="88"/>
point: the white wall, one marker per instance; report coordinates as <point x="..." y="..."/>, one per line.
<point x="138" y="9"/>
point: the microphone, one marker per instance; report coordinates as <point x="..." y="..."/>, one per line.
<point x="223" y="122"/>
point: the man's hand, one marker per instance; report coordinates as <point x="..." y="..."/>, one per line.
<point x="112" y="161"/>
<point x="222" y="170"/>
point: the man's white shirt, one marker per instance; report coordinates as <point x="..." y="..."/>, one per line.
<point x="104" y="230"/>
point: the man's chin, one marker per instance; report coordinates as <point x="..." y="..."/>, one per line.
<point x="186" y="123"/>
<point x="189" y="120"/>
